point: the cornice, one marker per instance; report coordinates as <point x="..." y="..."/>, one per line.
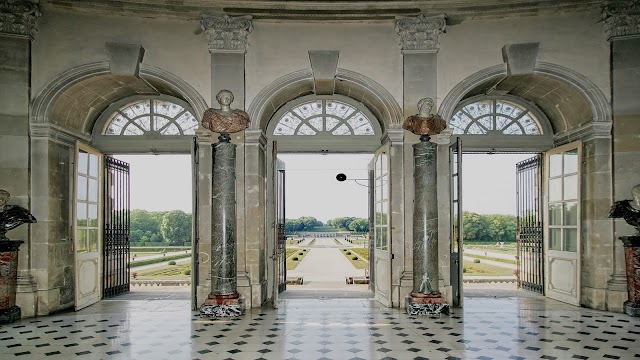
<point x="227" y="34"/>
<point x="587" y="132"/>
<point x="18" y="17"/>
<point x="622" y="18"/>
<point x="420" y="33"/>
<point x="56" y="134"/>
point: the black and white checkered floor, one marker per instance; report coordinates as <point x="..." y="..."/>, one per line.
<point x="165" y="328"/>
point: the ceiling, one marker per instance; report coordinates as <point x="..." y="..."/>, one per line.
<point x="325" y="10"/>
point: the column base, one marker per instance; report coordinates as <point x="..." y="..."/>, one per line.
<point x="9" y="315"/>
<point x="426" y="304"/>
<point x="216" y="306"/>
<point x="632" y="309"/>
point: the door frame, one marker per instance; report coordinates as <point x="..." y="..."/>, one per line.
<point x="98" y="260"/>
<point x="551" y="253"/>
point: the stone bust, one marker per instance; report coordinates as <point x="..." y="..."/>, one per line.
<point x="225" y="120"/>
<point x="629" y="210"/>
<point x="424" y="123"/>
<point x="11" y="216"/>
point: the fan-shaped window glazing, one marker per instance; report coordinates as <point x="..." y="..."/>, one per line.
<point x="324" y="116"/>
<point x="151" y="116"/>
<point x="495" y="116"/>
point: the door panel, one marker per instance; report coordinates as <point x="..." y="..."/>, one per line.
<point x="529" y="237"/>
<point x="279" y="257"/>
<point x="116" y="266"/>
<point x="562" y="243"/>
<point x="457" y="230"/>
<point x="382" y="235"/>
<point x="87" y="225"/>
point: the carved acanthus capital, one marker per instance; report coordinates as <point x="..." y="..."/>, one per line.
<point x="622" y="18"/>
<point x="227" y="33"/>
<point x="420" y="33"/>
<point x="18" y="17"/>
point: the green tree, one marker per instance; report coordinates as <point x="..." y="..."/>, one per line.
<point x="359" y="225"/>
<point x="502" y="227"/>
<point x="476" y="227"/>
<point x="143" y="225"/>
<point x="176" y="227"/>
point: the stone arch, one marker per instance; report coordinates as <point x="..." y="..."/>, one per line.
<point x="571" y="100"/>
<point x="68" y="102"/>
<point x="348" y="83"/>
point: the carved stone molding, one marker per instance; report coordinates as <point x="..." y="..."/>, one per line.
<point x="18" y="17"/>
<point x="420" y="34"/>
<point x="227" y="33"/>
<point x="622" y="18"/>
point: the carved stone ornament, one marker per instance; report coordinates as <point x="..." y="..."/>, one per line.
<point x="227" y="33"/>
<point x="19" y="17"/>
<point x="622" y="18"/>
<point x="420" y="33"/>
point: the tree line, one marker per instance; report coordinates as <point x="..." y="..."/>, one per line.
<point x="309" y="223"/>
<point x="490" y="228"/>
<point x="171" y="228"/>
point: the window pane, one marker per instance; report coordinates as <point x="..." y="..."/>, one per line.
<point x="81" y="187"/>
<point x="555" y="214"/>
<point x="571" y="187"/>
<point x="571" y="213"/>
<point x="571" y="161"/>
<point x="384" y="242"/>
<point x="93" y="165"/>
<point x="570" y="240"/>
<point x="378" y="236"/>
<point x="93" y="190"/>
<point x="81" y="240"/>
<point x="92" y="215"/>
<point x="83" y="162"/>
<point x="555" y="165"/>
<point x="81" y="214"/>
<point x="555" y="241"/>
<point x="93" y="240"/>
<point x="555" y="189"/>
<point x="385" y="212"/>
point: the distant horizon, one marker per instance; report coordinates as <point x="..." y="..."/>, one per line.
<point x="163" y="183"/>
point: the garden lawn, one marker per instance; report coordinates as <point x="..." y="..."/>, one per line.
<point x="164" y="272"/>
<point x="294" y="260"/>
<point x="355" y="259"/>
<point x="480" y="269"/>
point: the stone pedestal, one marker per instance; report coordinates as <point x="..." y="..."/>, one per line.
<point x="223" y="299"/>
<point x="9" y="312"/>
<point x="632" y="261"/>
<point x="426" y="304"/>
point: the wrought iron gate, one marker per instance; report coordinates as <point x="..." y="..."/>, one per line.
<point x="530" y="242"/>
<point x="115" y="272"/>
<point x="281" y="235"/>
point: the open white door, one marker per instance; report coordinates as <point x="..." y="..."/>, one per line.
<point x="280" y="236"/>
<point x="457" y="230"/>
<point x="562" y="243"/>
<point x="87" y="225"/>
<point x="382" y="234"/>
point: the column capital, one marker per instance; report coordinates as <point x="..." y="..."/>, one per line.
<point x="227" y="34"/>
<point x="420" y="34"/>
<point x="255" y="137"/>
<point x="394" y="136"/>
<point x="18" y="17"/>
<point x="622" y="19"/>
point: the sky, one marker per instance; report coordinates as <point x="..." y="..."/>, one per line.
<point x="163" y="182"/>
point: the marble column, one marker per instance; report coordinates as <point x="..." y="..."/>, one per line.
<point x="425" y="219"/>
<point x="223" y="299"/>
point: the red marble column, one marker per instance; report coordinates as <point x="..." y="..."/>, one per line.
<point x="632" y="260"/>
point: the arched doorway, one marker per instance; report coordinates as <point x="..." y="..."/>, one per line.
<point x="63" y="118"/>
<point x="579" y="119"/>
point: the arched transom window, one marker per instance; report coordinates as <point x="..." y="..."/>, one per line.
<point x="495" y="116"/>
<point x="324" y="117"/>
<point x="150" y="116"/>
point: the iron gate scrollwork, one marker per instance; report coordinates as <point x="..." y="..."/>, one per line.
<point x="530" y="271"/>
<point x="116" y="228"/>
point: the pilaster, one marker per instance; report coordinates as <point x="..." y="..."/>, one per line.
<point x="622" y="23"/>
